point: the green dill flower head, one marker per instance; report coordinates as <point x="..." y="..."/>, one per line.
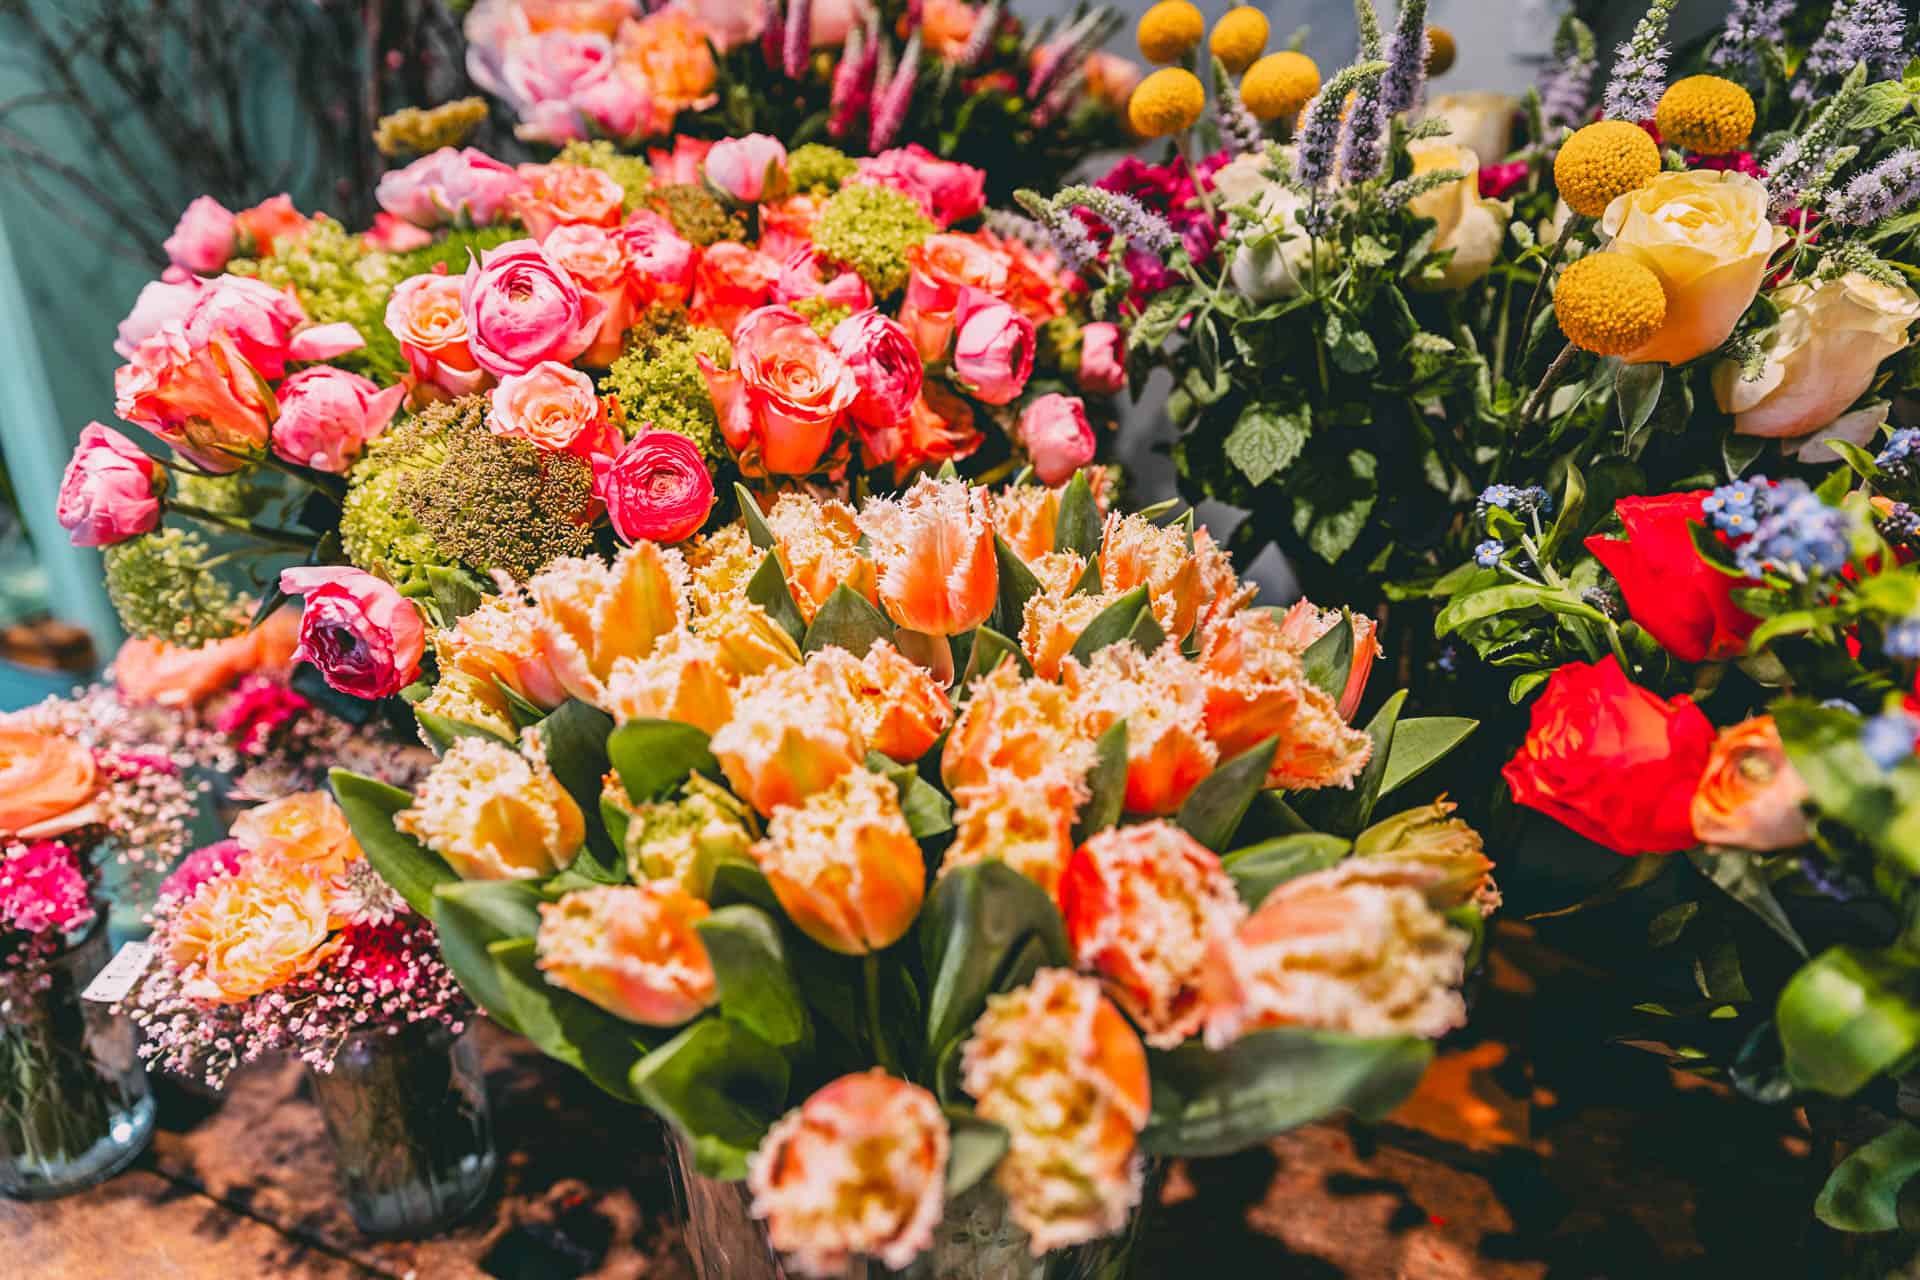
<point x="822" y="312"/>
<point x="818" y="167"/>
<point x="631" y="172"/>
<point x="870" y="228"/>
<point x="414" y="131"/>
<point x="165" y="587"/>
<point x="697" y="214"/>
<point x="658" y="384"/>
<point x="376" y="532"/>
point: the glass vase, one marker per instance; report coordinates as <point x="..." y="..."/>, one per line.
<point x="406" y="1109"/>
<point x="74" y="1106"/>
<point x="977" y="1239"/>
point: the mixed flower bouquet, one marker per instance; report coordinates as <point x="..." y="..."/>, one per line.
<point x="969" y="81"/>
<point x="953" y="818"/>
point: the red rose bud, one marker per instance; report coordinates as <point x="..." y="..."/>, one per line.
<point x="1683" y="602"/>
<point x="1613" y="761"/>
<point x="656" y="489"/>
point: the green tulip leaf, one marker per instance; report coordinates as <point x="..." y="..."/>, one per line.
<point x="847" y="620"/>
<point x="974" y="1148"/>
<point x="575" y="739"/>
<point x="1213" y="812"/>
<point x="754" y="980"/>
<point x="411" y="869"/>
<point x="1328" y="661"/>
<point x="567" y="1028"/>
<point x="1017" y="586"/>
<point x="1106" y="783"/>
<point x="1259" y="869"/>
<point x="469" y="917"/>
<point x="1077" y="528"/>
<point x="1112" y="624"/>
<point x="1419" y="743"/>
<point x="768" y="589"/>
<point x="983" y="930"/>
<point x="721" y="1087"/>
<point x="654" y="756"/>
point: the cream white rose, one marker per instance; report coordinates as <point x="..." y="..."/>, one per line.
<point x="1272" y="252"/>
<point x="1480" y="121"/>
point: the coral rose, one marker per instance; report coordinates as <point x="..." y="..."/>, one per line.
<point x="1749" y="797"/>
<point x="939" y="267"/>
<point x="933" y="548"/>
<point x="845" y="865"/>
<point x="552" y="405"/>
<point x="364" y="636"/>
<point x="1683" y="602"/>
<point x="567" y="195"/>
<point x="521" y="308"/>
<point x="110" y="491"/>
<point x="204" y="400"/>
<point x="171" y="675"/>
<point x="494" y="813"/>
<point x="596" y="258"/>
<point x="424" y="316"/>
<point x="656" y="489"/>
<point x="47" y="783"/>
<point x="785" y="396"/>
<point x="327" y="415"/>
<point x="631" y="949"/>
<point x="268" y="225"/>
<point x="1612" y="760"/>
<point x="730" y="280"/>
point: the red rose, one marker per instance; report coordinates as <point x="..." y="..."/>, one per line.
<point x="1683" y="602"/>
<point x="1612" y="760"/>
<point x="656" y="489"/>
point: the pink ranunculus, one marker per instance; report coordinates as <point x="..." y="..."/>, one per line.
<point x="1103" y="365"/>
<point x="209" y="862"/>
<point x="424" y="314"/>
<point x="268" y="326"/>
<point x="390" y="234"/>
<point x="204" y="400"/>
<point x="461" y="186"/>
<point x="272" y="223"/>
<point x="619" y="107"/>
<point x="749" y="169"/>
<point x="111" y="490"/>
<point x="596" y="258"/>
<point x="800" y="278"/>
<point x="327" y="415"/>
<point x="365" y="637"/>
<point x="656" y="489"/>
<point x="681" y="166"/>
<point x="552" y="405"/>
<point x="785" y="396"/>
<point x="888" y="372"/>
<point x="659" y="261"/>
<point x="521" y="308"/>
<point x="552" y="66"/>
<point x="946" y="190"/>
<point x="204" y="239"/>
<point x="167" y="300"/>
<point x="1057" y="437"/>
<point x="992" y="347"/>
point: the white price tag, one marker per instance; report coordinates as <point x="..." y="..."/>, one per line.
<point x="112" y="983"/>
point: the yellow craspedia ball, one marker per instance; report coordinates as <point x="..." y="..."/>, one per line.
<point x="1239" y="37"/>
<point x="1609" y="304"/>
<point x="1166" y="102"/>
<point x="1280" y="84"/>
<point x="1169" y="30"/>
<point x="1603" y="161"/>
<point x="1441" y="51"/>
<point x="1706" y="114"/>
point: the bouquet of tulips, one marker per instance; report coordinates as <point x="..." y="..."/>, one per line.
<point x="970" y="81"/>
<point x="967" y="834"/>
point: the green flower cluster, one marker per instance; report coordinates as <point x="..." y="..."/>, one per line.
<point x="165" y="587"/>
<point x="822" y="312"/>
<point x="631" y="172"/>
<point x="376" y="532"/>
<point x="417" y="131"/>
<point x="697" y="214"/>
<point x="817" y="167"/>
<point x="657" y="380"/>
<point x="870" y="228"/>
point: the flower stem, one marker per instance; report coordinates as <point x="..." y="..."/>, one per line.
<point x="876" y="1027"/>
<point x="266" y="533"/>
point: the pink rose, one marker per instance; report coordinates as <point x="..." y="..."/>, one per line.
<point x="656" y="489"/>
<point x="268" y="326"/>
<point x="465" y="187"/>
<point x="888" y="372"/>
<point x="946" y="190"/>
<point x="204" y="239"/>
<point x="1103" y="367"/>
<point x="1057" y="436"/>
<point x="829" y="21"/>
<point x="992" y="347"/>
<point x="659" y="262"/>
<point x="554" y="65"/>
<point x="619" y="107"/>
<point x="395" y="235"/>
<point x="204" y="400"/>
<point x="164" y="301"/>
<point x="327" y="415"/>
<point x="522" y="308"/>
<point x="424" y="314"/>
<point x="800" y="278"/>
<point x="940" y="267"/>
<point x="596" y="258"/>
<point x="111" y="490"/>
<point x="749" y="169"/>
<point x="365" y="637"/>
<point x="728" y="23"/>
<point x="552" y="405"/>
<point x="681" y="166"/>
<point x="783" y="399"/>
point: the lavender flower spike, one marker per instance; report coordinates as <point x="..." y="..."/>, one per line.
<point x="1640" y="67"/>
<point x="1360" y="134"/>
<point x="1406" y="77"/>
<point x="1130" y="219"/>
<point x="1750" y="24"/>
<point x="1566" y="90"/>
<point x="890" y="110"/>
<point x="1240" y="132"/>
<point x="1869" y="31"/>
<point x="1319" y="132"/>
<point x="799" y="37"/>
<point x="1888" y="188"/>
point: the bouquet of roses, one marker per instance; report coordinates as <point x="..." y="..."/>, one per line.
<point x="952" y="818"/>
<point x="970" y="81"/>
<point x="527" y="364"/>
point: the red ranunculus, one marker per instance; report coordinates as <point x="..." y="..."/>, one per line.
<point x="1612" y="760"/>
<point x="656" y="489"/>
<point x="1683" y="602"/>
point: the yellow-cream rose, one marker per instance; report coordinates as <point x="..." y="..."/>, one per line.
<point x="1481" y="121"/>
<point x="1469" y="224"/>
<point x="1821" y="355"/>
<point x="1706" y="235"/>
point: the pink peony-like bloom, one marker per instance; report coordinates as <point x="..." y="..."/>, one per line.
<point x="206" y="400"/>
<point x="748" y="169"/>
<point x="365" y="637"/>
<point x="659" y="260"/>
<point x="992" y="347"/>
<point x="1103" y="364"/>
<point x="1055" y="432"/>
<point x="259" y="708"/>
<point x="888" y="372"/>
<point x="619" y="107"/>
<point x="43" y="890"/>
<point x="327" y="416"/>
<point x="210" y="862"/>
<point x="783" y="399"/>
<point x="551" y="66"/>
<point x="596" y="258"/>
<point x="681" y="166"/>
<point x="167" y="300"/>
<point x="268" y="326"/>
<point x="552" y="405"/>
<point x="656" y="489"/>
<point x="204" y="239"/>
<point x="395" y="235"/>
<point x="946" y="190"/>
<point x="463" y="187"/>
<point x="111" y="489"/>
<point x="799" y="279"/>
<point x="424" y="314"/>
<point x="522" y="308"/>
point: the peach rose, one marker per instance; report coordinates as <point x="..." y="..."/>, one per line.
<point x="785" y="396"/>
<point x="844" y="864"/>
<point x="566" y="195"/>
<point x="1750" y="797"/>
<point x="47" y="784"/>
<point x="305" y="830"/>
<point x="494" y="813"/>
<point x="933" y="549"/>
<point x="243" y="935"/>
<point x="669" y="50"/>
<point x="631" y="949"/>
<point x="730" y="280"/>
<point x="552" y="405"/>
<point x="204" y="400"/>
<point x="597" y="260"/>
<point x="424" y="315"/>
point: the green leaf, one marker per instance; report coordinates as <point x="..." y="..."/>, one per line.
<point x="923" y="805"/>
<point x="654" y="756"/>
<point x="1847" y="1016"/>
<point x="566" y="1027"/>
<point x="754" y="981"/>
<point x="847" y="620"/>
<point x="736" y="880"/>
<point x="1213" y="812"/>
<point x="1863" y="1192"/>
<point x="1665" y="929"/>
<point x="1208" y="1103"/>
<point x="575" y="738"/>
<point x="1017" y="586"/>
<point x="1265" y="440"/>
<point x="411" y="869"/>
<point x="1738" y="874"/>
<point x="1106" y="783"/>
<point x="1464" y="610"/>
<point x="974" y="1148"/>
<point x="757" y="529"/>
<point x="1332" y="498"/>
<point x="442" y="730"/>
<point x="984" y="929"/>
<point x="1636" y="389"/>
<point x="1112" y="624"/>
<point x="1421" y="742"/>
<point x="721" y="1087"/>
<point x="989" y="650"/>
<point x="1077" y="528"/>
<point x="469" y="918"/>
<point x="1328" y="661"/>
<point x="1259" y="869"/>
<point x="1637" y="872"/>
<point x="455" y="592"/>
<point x="768" y="589"/>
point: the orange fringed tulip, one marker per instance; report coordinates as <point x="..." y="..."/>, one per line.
<point x="933" y="548"/>
<point x="844" y="864"/>
<point x="631" y="949"/>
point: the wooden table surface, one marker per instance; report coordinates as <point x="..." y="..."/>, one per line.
<point x="1531" y="1153"/>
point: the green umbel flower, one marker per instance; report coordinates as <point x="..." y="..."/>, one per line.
<point x="870" y="229"/>
<point x="658" y="383"/>
<point x="165" y="586"/>
<point x="818" y="167"/>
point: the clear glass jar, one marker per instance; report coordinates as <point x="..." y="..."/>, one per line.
<point x="74" y="1105"/>
<point x="977" y="1240"/>
<point x="406" y="1108"/>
